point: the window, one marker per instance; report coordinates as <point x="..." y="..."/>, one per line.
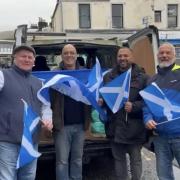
<point x="84" y="16"/>
<point x="117" y="15"/>
<point x="157" y="16"/>
<point x="172" y="15"/>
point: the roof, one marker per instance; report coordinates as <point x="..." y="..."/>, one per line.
<point x="7" y="35"/>
<point x="57" y="4"/>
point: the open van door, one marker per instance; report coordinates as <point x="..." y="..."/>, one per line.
<point x="145" y="46"/>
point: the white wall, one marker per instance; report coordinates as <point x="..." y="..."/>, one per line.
<point x="100" y="15"/>
<point x="133" y="13"/>
<point x="57" y="21"/>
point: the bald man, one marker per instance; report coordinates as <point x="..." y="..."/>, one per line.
<point x="167" y="146"/>
<point x="70" y="119"/>
<point x="125" y="128"/>
<point x="69" y="57"/>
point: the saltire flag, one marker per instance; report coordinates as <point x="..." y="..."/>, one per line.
<point x="45" y="76"/>
<point x="71" y="87"/>
<point x="116" y="92"/>
<point x="28" y="152"/>
<point x="164" y="105"/>
<point x="95" y="79"/>
<point x="169" y="127"/>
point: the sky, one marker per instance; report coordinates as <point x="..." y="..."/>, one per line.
<point x="17" y="12"/>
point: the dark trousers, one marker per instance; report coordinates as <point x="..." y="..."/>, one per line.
<point x="119" y="153"/>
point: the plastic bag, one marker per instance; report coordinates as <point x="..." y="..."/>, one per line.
<point x="96" y="126"/>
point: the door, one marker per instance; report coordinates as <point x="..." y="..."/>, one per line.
<point x="145" y="46"/>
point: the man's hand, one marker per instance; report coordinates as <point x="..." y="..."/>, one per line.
<point x="100" y="101"/>
<point x="151" y="124"/>
<point x="47" y="124"/>
<point x="128" y="106"/>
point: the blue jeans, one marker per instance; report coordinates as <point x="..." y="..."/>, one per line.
<point x="166" y="149"/>
<point x="69" y="151"/>
<point x="119" y="153"/>
<point x="8" y="159"/>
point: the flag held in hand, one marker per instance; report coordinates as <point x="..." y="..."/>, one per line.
<point x="116" y="92"/>
<point x="28" y="152"/>
<point x="164" y="105"/>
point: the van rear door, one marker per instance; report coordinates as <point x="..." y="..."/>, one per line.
<point x="145" y="46"/>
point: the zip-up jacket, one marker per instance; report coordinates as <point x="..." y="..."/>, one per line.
<point x="58" y="108"/>
<point x="166" y="78"/>
<point x="17" y="84"/>
<point x="133" y="130"/>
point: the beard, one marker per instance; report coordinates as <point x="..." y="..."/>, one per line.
<point x="124" y="66"/>
<point x="164" y="64"/>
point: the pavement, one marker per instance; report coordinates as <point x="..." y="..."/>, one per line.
<point x="149" y="166"/>
<point x="176" y="171"/>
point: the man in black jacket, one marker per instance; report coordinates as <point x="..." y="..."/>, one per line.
<point x="125" y="128"/>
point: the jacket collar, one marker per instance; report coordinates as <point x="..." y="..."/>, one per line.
<point x="135" y="71"/>
<point x="164" y="70"/>
<point x="61" y="66"/>
<point x="21" y="71"/>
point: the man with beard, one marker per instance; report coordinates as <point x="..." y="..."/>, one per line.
<point x="125" y="128"/>
<point x="167" y="146"/>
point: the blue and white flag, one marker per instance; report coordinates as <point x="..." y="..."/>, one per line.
<point x="164" y="105"/>
<point x="27" y="150"/>
<point x="95" y="79"/>
<point x="81" y="74"/>
<point x="71" y="87"/>
<point x="116" y="92"/>
<point x="169" y="127"/>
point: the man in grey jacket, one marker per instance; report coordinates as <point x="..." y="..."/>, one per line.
<point x="17" y="83"/>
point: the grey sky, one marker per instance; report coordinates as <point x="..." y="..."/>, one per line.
<point x="16" y="12"/>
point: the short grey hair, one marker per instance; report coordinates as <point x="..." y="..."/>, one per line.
<point x="170" y="45"/>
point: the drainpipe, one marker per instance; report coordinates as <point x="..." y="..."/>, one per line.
<point x="62" y="21"/>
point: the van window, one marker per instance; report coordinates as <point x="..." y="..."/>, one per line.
<point x="87" y="52"/>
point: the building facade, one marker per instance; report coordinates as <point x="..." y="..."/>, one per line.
<point x="115" y="14"/>
<point x="115" y="18"/>
<point x="6" y="47"/>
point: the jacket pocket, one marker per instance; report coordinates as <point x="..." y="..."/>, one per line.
<point x="5" y="123"/>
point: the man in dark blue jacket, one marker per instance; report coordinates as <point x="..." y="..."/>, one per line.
<point x="167" y="145"/>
